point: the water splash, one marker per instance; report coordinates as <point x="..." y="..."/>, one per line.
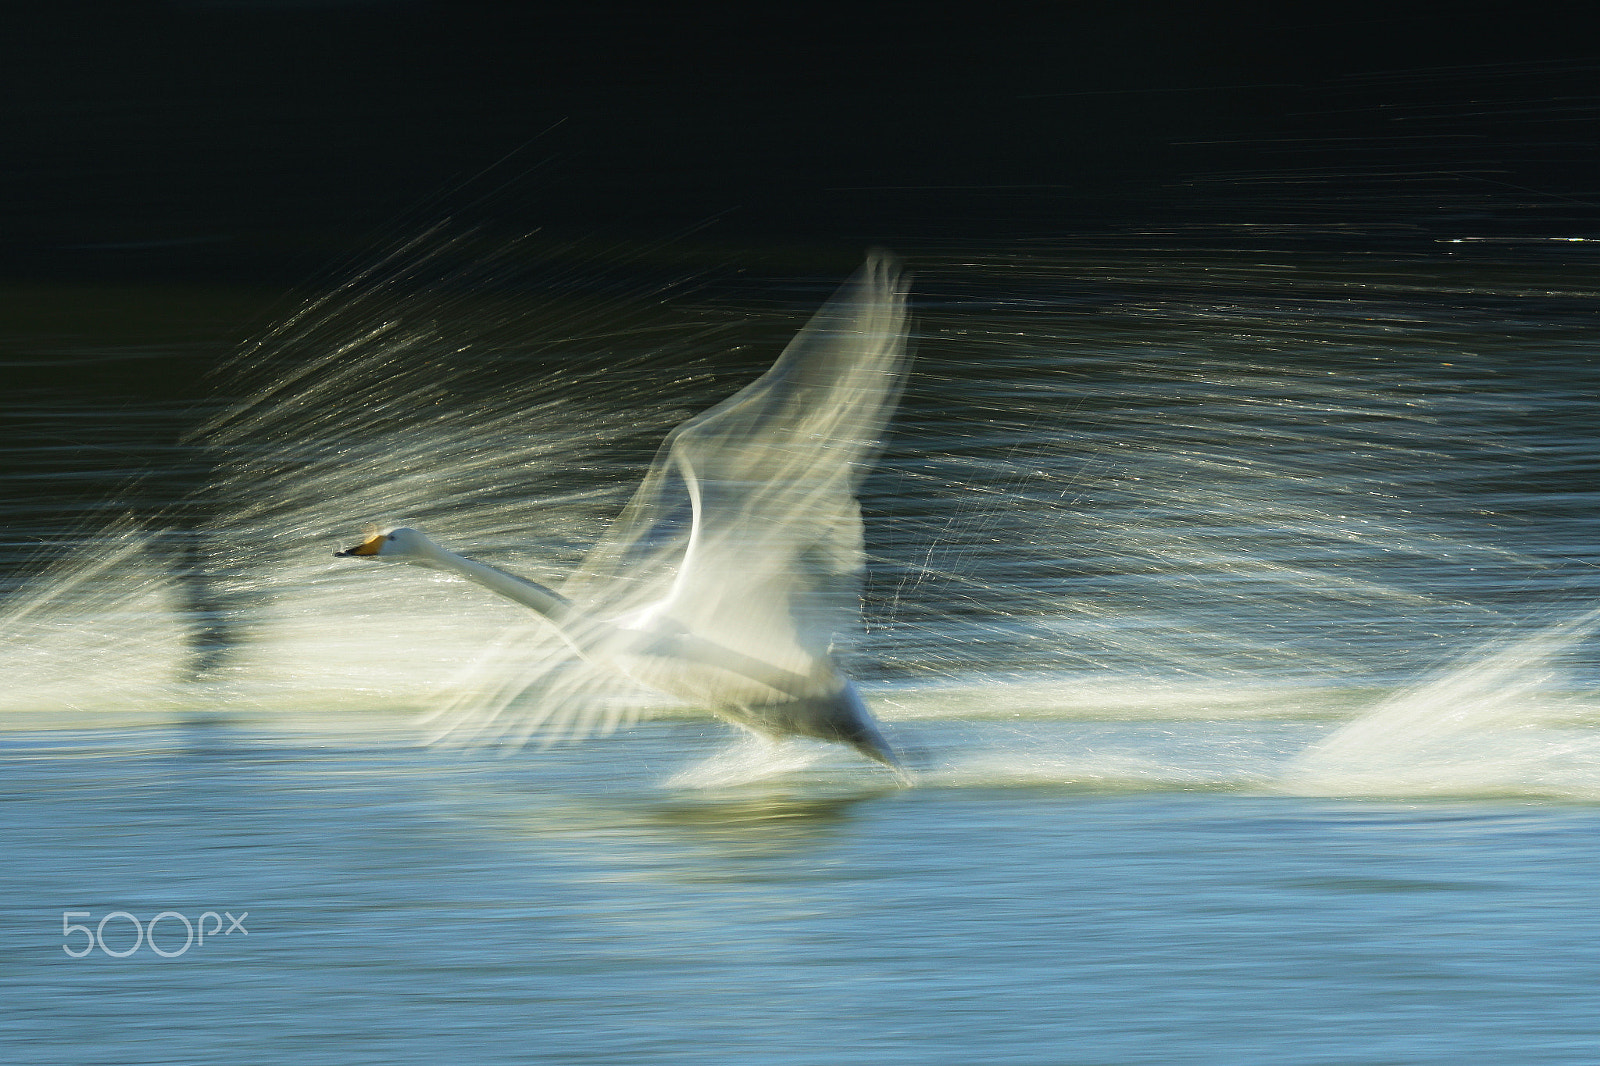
<point x="750" y="759"/>
<point x="95" y="638"/>
<point x="1504" y="720"/>
<point x="1198" y="492"/>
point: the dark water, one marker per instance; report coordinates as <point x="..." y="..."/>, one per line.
<point x="1240" y="605"/>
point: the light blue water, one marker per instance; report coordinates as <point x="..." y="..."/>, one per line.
<point x="406" y="908"/>
<point x="1239" y="610"/>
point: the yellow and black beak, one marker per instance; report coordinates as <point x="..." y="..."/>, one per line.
<point x="371" y="546"/>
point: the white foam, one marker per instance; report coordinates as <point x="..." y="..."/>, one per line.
<point x="1501" y="721"/>
<point x="749" y="759"/>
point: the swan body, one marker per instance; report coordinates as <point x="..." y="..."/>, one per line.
<point x="734" y="571"/>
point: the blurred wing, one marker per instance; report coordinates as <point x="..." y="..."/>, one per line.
<point x="742" y="545"/>
<point x="746" y="531"/>
<point x="530" y="683"/>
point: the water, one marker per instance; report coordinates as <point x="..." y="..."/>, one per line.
<point x="1241" y="608"/>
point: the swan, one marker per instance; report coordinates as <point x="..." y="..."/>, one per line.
<point x="734" y="571"/>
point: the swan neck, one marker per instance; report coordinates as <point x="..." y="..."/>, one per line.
<point x="546" y="601"/>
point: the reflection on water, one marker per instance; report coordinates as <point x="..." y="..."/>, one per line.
<point x="757" y="827"/>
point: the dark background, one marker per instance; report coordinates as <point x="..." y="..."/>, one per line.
<point x="256" y="141"/>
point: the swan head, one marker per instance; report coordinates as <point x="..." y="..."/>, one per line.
<point x="402" y="543"/>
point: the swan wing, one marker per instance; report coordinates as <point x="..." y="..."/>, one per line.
<point x="746" y="531"/>
<point x="529" y="684"/>
<point x="736" y="566"/>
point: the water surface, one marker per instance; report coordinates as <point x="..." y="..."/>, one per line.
<point x="1237" y="607"/>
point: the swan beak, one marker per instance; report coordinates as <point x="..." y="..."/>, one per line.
<point x="371" y="546"/>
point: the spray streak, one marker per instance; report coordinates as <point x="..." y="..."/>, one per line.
<point x="1492" y="723"/>
<point x="1120" y="489"/>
